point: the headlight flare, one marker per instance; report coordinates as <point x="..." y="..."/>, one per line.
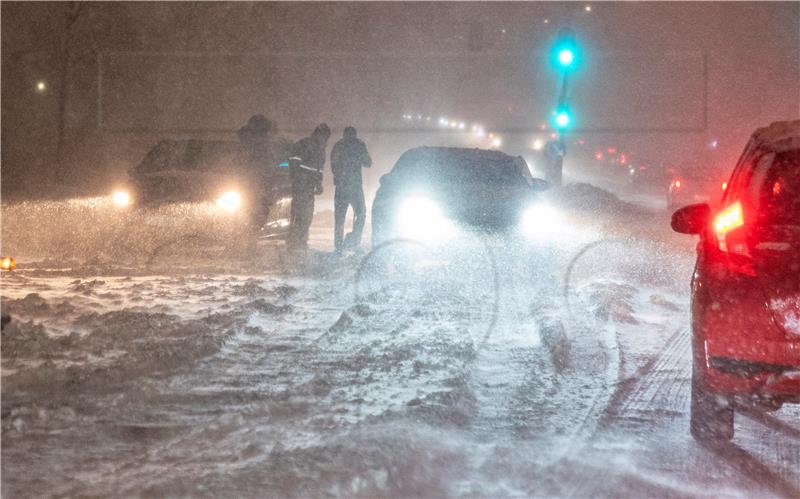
<point x="230" y="201"/>
<point x="541" y="221"/>
<point x="121" y="198"/>
<point x="421" y="219"/>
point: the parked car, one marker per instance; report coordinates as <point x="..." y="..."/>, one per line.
<point x="219" y="172"/>
<point x="746" y="286"/>
<point x="431" y="192"/>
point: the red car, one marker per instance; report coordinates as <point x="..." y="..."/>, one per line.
<point x="746" y="286"/>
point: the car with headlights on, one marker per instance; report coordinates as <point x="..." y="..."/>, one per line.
<point x="746" y="286"/>
<point x="218" y="172"/>
<point x="433" y="192"/>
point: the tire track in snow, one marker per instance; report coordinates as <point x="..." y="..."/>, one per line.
<point x="542" y="393"/>
<point x="634" y="399"/>
<point x="644" y="447"/>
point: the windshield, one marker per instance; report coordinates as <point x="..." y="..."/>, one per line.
<point x="399" y="249"/>
<point x="463" y="166"/>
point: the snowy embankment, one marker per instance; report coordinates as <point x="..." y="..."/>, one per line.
<point x="163" y="364"/>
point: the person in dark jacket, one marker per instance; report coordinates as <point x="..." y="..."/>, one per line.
<point x="306" y="160"/>
<point x="348" y="156"/>
<point x="256" y="141"/>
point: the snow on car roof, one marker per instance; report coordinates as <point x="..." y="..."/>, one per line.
<point x="780" y="135"/>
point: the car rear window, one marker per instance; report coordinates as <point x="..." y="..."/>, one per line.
<point x="779" y="189"/>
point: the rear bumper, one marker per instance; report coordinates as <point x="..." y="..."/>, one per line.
<point x="741" y="377"/>
<point x="737" y="342"/>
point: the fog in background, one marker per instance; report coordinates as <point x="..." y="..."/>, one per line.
<point x="658" y="79"/>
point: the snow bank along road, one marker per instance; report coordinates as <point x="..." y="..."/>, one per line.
<point x="498" y="367"/>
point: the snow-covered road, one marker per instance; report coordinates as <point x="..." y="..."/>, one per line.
<point x="497" y="367"/>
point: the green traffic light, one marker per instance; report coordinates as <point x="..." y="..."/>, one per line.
<point x="562" y="119"/>
<point x="565" y="57"/>
<point x="565" y="52"/>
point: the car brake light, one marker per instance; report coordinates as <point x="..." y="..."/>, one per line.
<point x="724" y="186"/>
<point x="678" y="184"/>
<point x="731" y="241"/>
<point x="728" y="219"/>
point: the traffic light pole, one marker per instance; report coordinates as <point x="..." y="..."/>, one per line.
<point x="555" y="150"/>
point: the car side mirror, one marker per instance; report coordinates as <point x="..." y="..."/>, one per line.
<point x="691" y="219"/>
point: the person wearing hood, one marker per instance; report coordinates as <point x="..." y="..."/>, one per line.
<point x="306" y="159"/>
<point x="348" y="156"/>
<point x="258" y="157"/>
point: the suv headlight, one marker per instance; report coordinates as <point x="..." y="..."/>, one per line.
<point x="121" y="198"/>
<point x="230" y="201"/>
<point x="421" y="219"/>
<point x="541" y="221"/>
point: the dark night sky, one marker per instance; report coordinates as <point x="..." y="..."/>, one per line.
<point x="203" y="68"/>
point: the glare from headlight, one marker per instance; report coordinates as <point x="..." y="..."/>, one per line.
<point x="421" y="219"/>
<point x="121" y="198"/>
<point x="541" y="221"/>
<point x="231" y="201"/>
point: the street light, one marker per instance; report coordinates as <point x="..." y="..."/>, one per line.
<point x="41" y="86"/>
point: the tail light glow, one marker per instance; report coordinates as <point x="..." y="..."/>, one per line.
<point x="678" y="184"/>
<point x="731" y="242"/>
<point x="728" y="219"/>
<point x="725" y="186"/>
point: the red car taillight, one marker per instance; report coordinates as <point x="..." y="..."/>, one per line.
<point x="677" y="184"/>
<point x="731" y="239"/>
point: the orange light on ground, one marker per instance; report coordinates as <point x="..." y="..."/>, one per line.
<point x="7" y="263"/>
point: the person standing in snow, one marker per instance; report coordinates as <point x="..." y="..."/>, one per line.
<point x="258" y="151"/>
<point x="306" y="159"/>
<point x="348" y="156"/>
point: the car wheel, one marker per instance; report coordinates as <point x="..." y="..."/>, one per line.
<point x="711" y="418"/>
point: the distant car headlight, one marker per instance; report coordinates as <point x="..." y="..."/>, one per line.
<point x="541" y="221"/>
<point x="231" y="201"/>
<point x="121" y="198"/>
<point x="421" y="219"/>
